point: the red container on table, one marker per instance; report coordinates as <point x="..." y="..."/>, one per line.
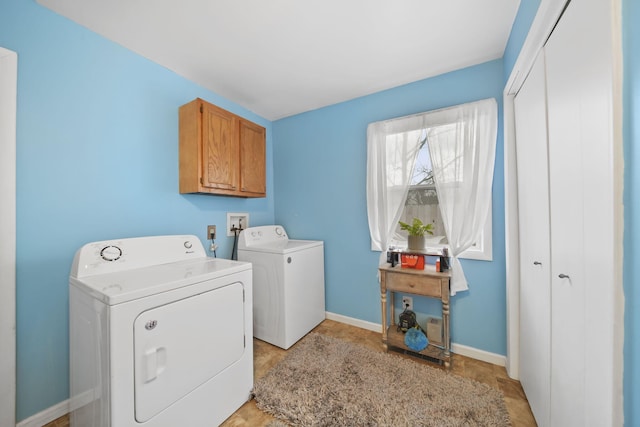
<point x="415" y="261"/>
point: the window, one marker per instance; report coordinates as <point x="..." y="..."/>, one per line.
<point x="422" y="199"/>
<point x="422" y="202"/>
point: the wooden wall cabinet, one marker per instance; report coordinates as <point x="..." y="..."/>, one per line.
<point x="220" y="152"/>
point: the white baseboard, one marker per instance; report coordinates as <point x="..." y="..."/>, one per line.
<point x="44" y="417"/>
<point x="474" y="353"/>
<point x="375" y="327"/>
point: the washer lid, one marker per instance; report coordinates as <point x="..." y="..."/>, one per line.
<point x="272" y="239"/>
<point x="121" y="286"/>
<point x="283" y="246"/>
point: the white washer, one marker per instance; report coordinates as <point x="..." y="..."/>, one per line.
<point x="160" y="334"/>
<point x="288" y="283"/>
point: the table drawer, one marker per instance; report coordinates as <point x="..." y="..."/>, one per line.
<point x="411" y="283"/>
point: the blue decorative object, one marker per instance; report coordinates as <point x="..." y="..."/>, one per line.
<point x="415" y="339"/>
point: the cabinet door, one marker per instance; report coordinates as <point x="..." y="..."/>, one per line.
<point x="533" y="207"/>
<point x="219" y="148"/>
<point x="252" y="158"/>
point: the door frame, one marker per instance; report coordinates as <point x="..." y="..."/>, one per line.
<point x="8" y="101"/>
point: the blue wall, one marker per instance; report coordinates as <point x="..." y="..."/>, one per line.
<point x="524" y="18"/>
<point x="631" y="88"/>
<point x="320" y="173"/>
<point x="97" y="158"/>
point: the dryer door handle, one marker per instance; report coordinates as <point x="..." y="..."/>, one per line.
<point x="154" y="363"/>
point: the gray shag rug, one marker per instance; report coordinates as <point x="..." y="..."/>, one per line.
<point x="324" y="381"/>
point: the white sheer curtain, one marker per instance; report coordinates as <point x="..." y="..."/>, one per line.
<point x="391" y="155"/>
<point x="462" y="145"/>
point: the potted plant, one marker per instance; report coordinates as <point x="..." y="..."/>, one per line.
<point x="416" y="231"/>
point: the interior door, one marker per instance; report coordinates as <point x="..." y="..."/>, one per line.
<point x="579" y="59"/>
<point x="533" y="205"/>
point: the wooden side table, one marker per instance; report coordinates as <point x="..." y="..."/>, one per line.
<point x="428" y="283"/>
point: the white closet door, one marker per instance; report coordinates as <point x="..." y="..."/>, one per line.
<point x="579" y="90"/>
<point x="533" y="205"/>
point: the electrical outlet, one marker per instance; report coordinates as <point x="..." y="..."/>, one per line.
<point x="236" y="222"/>
<point x="407" y="303"/>
<point x="211" y="232"/>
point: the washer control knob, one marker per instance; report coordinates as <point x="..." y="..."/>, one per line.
<point x="151" y="324"/>
<point x="279" y="231"/>
<point x="111" y="253"/>
<point x="188" y="244"/>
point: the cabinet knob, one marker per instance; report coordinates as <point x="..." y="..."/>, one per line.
<point x="563" y="276"/>
<point x="537" y="263"/>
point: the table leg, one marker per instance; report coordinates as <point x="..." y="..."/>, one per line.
<point x="445" y="326"/>
<point x="383" y="306"/>
<point x="383" y="303"/>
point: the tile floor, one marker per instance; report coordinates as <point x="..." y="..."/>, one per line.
<point x="266" y="356"/>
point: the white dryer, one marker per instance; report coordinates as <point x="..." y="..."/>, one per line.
<point x="288" y="283"/>
<point x="160" y="334"/>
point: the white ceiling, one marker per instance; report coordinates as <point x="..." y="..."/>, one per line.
<point x="282" y="57"/>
